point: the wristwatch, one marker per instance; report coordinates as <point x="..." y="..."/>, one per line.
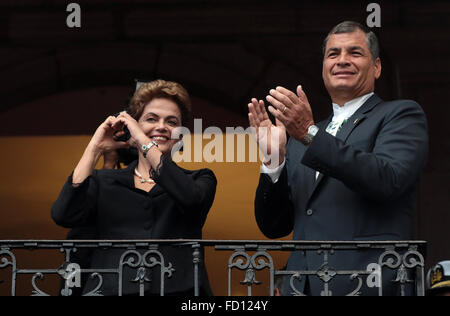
<point x="146" y="148"/>
<point x="312" y="131"/>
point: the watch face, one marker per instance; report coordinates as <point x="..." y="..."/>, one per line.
<point x="313" y="129"/>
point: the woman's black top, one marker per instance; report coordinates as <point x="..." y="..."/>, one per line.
<point x="176" y="207"/>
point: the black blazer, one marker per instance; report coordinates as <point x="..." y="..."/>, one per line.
<point x="365" y="191"/>
<point x="176" y="207"/>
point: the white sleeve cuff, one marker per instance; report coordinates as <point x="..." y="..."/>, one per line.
<point x="275" y="173"/>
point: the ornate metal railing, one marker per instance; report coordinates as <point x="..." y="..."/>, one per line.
<point x="402" y="259"/>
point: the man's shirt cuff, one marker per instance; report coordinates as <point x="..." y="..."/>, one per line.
<point x="274" y="173"/>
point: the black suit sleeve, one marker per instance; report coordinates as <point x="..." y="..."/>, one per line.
<point x="392" y="167"/>
<point x="76" y="206"/>
<point x="193" y="194"/>
<point x="273" y="207"/>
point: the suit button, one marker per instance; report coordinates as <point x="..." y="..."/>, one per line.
<point x="309" y="212"/>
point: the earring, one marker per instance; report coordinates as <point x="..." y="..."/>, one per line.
<point x="178" y="146"/>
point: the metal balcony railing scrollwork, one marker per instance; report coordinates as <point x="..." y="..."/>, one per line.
<point x="253" y="258"/>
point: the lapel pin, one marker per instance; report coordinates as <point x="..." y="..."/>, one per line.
<point x="355" y="121"/>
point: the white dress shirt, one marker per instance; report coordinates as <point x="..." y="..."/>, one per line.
<point x="340" y="114"/>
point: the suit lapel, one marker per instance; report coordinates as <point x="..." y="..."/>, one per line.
<point x="126" y="176"/>
<point x="316" y="183"/>
<point x="311" y="173"/>
<point x="357" y="118"/>
<point x="345" y="131"/>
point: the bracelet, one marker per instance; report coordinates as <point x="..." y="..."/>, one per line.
<point x="146" y="148"/>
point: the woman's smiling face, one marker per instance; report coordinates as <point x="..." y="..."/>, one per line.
<point x="158" y="120"/>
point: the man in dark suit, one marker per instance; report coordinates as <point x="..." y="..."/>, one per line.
<point x="350" y="177"/>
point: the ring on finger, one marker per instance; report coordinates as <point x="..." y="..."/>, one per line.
<point x="284" y="109"/>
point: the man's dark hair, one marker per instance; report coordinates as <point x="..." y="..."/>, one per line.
<point x="350" y="27"/>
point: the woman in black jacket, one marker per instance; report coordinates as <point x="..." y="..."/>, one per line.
<point x="152" y="198"/>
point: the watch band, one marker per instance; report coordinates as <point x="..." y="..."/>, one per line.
<point x="146" y="148"/>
